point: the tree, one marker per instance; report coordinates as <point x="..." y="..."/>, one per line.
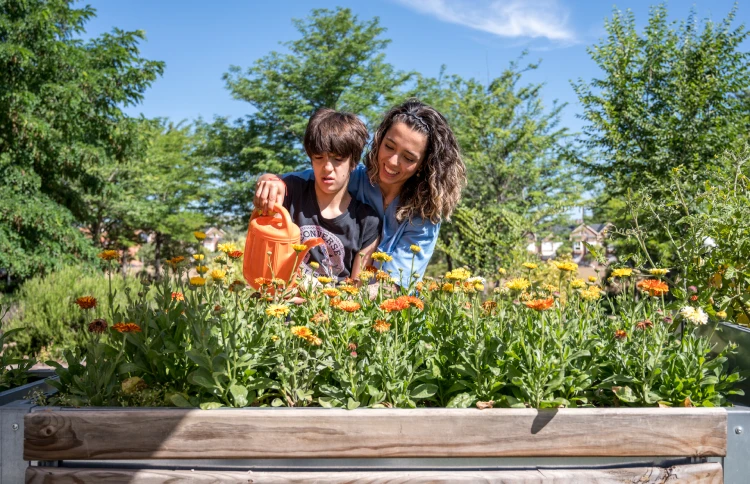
<point x="60" y="116"/>
<point x="520" y="170"/>
<point x="672" y="98"/>
<point x="338" y="62"/>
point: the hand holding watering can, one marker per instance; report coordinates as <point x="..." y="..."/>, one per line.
<point x="270" y="234"/>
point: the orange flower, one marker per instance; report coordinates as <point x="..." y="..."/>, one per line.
<point x="178" y="296"/>
<point x="382" y="276"/>
<point x="433" y="286"/>
<point x="235" y="254"/>
<point x="349" y="289"/>
<point x="331" y="292"/>
<point x="319" y="318"/>
<point x="654" y="287"/>
<point x="621" y="334"/>
<point x="262" y="281"/>
<point x="349" y="306"/>
<point x="301" y="332"/>
<point x="540" y="304"/>
<point x="646" y="323"/>
<point x="381" y="326"/>
<point x="98" y="326"/>
<point x="394" y="305"/>
<point x="86" y="302"/>
<point x="488" y="306"/>
<point x="127" y="328"/>
<point x="412" y="301"/>
<point x="314" y="340"/>
<point x="420" y="286"/>
<point x="108" y="255"/>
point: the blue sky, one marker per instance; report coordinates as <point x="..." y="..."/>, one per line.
<point x="199" y="40"/>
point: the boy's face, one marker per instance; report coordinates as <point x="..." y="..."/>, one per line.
<point x="331" y="172"/>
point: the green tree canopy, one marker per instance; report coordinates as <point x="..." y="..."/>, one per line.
<point x="670" y="97"/>
<point x="60" y="115"/>
<point x="338" y="62"/>
<point x="520" y="170"/>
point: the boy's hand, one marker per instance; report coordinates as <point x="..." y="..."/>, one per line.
<point x="270" y="190"/>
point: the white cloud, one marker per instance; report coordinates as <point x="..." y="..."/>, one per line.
<point x="505" y="18"/>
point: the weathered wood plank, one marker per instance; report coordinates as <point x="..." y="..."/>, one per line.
<point x="710" y="473"/>
<point x="310" y="433"/>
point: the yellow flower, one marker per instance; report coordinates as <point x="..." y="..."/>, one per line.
<point x="201" y="269"/>
<point x="415" y="249"/>
<point x="592" y="278"/>
<point x="299" y="247"/>
<point x="301" y="332"/>
<point x="314" y="340"/>
<point x="331" y="292"/>
<point x="529" y="265"/>
<point x="577" y="283"/>
<point x="349" y="289"/>
<point x="218" y="275"/>
<point x="591" y="294"/>
<point x="278" y="282"/>
<point x="459" y="274"/>
<point x="314" y="265"/>
<point x="277" y="310"/>
<point x="658" y="272"/>
<point x="622" y="272"/>
<point x="447" y="287"/>
<point x="197" y="281"/>
<point x="479" y="286"/>
<point x="227" y="247"/>
<point x="548" y="287"/>
<point x="199" y="235"/>
<point x="108" y="255"/>
<point x="274" y="337"/>
<point x="199" y="257"/>
<point x="518" y="284"/>
<point x="501" y="271"/>
<point x="324" y="280"/>
<point x="381" y="257"/>
<point x="365" y="276"/>
<point x="721" y="314"/>
<point x="566" y="266"/>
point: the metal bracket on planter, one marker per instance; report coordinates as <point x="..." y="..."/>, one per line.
<point x="12" y="465"/>
<point x="737" y="461"/>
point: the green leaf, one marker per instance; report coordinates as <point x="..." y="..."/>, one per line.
<point x="425" y="390"/>
<point x="462" y="400"/>
<point x="210" y="405"/>
<point x="351" y="404"/>
<point x="179" y="401"/>
<point x="625" y="394"/>
<point x="239" y="394"/>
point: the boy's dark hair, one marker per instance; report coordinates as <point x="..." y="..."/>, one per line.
<point x="330" y="131"/>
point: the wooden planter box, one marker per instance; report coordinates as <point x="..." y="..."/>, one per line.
<point x="646" y="445"/>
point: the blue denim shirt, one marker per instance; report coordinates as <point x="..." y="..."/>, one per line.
<point x="397" y="238"/>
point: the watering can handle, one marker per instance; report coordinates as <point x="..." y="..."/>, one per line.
<point x="279" y="208"/>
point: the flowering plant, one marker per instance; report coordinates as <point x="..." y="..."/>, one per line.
<point x="439" y="342"/>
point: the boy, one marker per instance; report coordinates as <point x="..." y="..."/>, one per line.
<point x="323" y="207"/>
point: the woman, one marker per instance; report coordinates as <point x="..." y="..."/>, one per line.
<point x="412" y="176"/>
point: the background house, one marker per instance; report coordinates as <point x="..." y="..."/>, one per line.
<point x="593" y="234"/>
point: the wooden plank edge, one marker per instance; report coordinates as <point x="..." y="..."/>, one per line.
<point x="320" y="433"/>
<point x="708" y="473"/>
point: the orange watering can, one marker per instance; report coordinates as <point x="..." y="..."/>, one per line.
<point x="269" y="234"/>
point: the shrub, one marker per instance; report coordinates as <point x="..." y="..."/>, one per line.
<point x="50" y="319"/>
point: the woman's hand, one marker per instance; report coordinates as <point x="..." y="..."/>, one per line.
<point x="270" y="190"/>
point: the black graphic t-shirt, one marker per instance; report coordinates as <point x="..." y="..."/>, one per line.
<point x="344" y="236"/>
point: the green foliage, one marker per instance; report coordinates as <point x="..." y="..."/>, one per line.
<point x="521" y="176"/>
<point x="13" y="371"/>
<point x="214" y="343"/>
<point x="708" y="235"/>
<point x="60" y="117"/>
<point x="338" y="62"/>
<point x="50" y="321"/>
<point x="672" y="96"/>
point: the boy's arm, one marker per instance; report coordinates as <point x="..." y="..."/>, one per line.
<point x="271" y="188"/>
<point x="363" y="259"/>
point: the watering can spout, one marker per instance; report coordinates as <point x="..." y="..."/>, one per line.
<point x="310" y="243"/>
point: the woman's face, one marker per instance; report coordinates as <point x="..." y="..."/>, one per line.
<point x="400" y="155"/>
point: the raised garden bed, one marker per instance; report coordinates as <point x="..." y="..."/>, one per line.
<point x="644" y="445"/>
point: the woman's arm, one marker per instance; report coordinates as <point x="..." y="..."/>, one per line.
<point x="269" y="190"/>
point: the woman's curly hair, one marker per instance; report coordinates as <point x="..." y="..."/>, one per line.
<point x="435" y="189"/>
